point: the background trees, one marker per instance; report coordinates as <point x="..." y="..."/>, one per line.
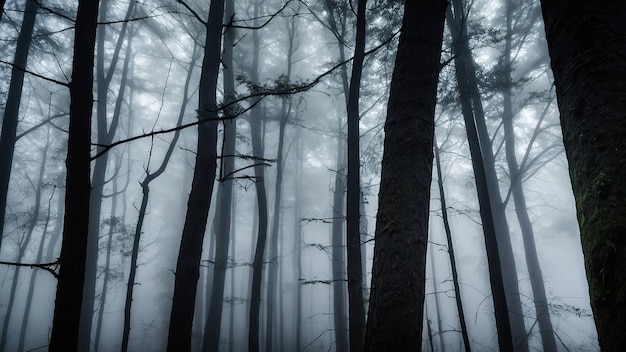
<point x="275" y="131"/>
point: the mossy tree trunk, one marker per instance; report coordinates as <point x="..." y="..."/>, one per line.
<point x="587" y="46"/>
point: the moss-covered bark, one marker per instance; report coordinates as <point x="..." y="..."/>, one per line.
<point x="587" y="43"/>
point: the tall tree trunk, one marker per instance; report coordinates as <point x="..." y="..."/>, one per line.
<point x="588" y="53"/>
<point x="212" y="329"/>
<point x="12" y="108"/>
<point x="338" y="218"/>
<point x="105" y="134"/>
<point x="455" y="273"/>
<point x="338" y="251"/>
<point x="69" y="295"/>
<point x="259" y="178"/>
<point x="297" y="244"/>
<point x="503" y="325"/>
<point x="472" y="105"/>
<point x="528" y="237"/>
<point x="188" y="264"/>
<point x="398" y="273"/>
<point x="356" y="306"/>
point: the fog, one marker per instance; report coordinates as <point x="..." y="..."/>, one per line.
<point x="164" y="36"/>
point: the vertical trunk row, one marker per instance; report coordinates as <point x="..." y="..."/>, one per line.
<point x="256" y="134"/>
<point x="397" y="293"/>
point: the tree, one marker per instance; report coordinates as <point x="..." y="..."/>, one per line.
<point x="356" y="308"/>
<point x="188" y="263"/>
<point x="455" y="275"/>
<point x="398" y="272"/>
<point x="212" y="327"/>
<point x="588" y="58"/>
<point x="71" y="277"/>
<point x="12" y="108"/>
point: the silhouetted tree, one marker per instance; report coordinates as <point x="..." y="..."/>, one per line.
<point x="396" y="307"/>
<point x="188" y="264"/>
<point x="69" y="296"/>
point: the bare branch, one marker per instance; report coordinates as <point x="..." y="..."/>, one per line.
<point x="65" y="84"/>
<point x="49" y="267"/>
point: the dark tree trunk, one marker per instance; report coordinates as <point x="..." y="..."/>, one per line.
<point x="503" y="325"/>
<point x="69" y="295"/>
<point x="396" y="308"/>
<point x="356" y="306"/>
<point x="12" y="108"/>
<point x="455" y="274"/>
<point x="472" y="107"/>
<point x="337" y="228"/>
<point x="212" y="328"/>
<point x="256" y="136"/>
<point x="105" y="136"/>
<point x="188" y="264"/>
<point x="588" y="53"/>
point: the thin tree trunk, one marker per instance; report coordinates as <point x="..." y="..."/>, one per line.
<point x="530" y="249"/>
<point x="33" y="277"/>
<point x="297" y="243"/>
<point x="259" y="177"/>
<point x="69" y="295"/>
<point x="442" y="347"/>
<point x="339" y="252"/>
<point x="113" y="223"/>
<point x="12" y="108"/>
<point x="472" y="106"/>
<point x="188" y="264"/>
<point x="455" y="274"/>
<point x="395" y="318"/>
<point x="356" y="306"/>
<point x="24" y="244"/>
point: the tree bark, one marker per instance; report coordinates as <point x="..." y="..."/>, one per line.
<point x="212" y="328"/>
<point x="588" y="57"/>
<point x="356" y="306"/>
<point x="398" y="274"/>
<point x="69" y="295"/>
<point x="188" y="264"/>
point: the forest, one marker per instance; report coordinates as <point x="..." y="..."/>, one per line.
<point x="312" y="175"/>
